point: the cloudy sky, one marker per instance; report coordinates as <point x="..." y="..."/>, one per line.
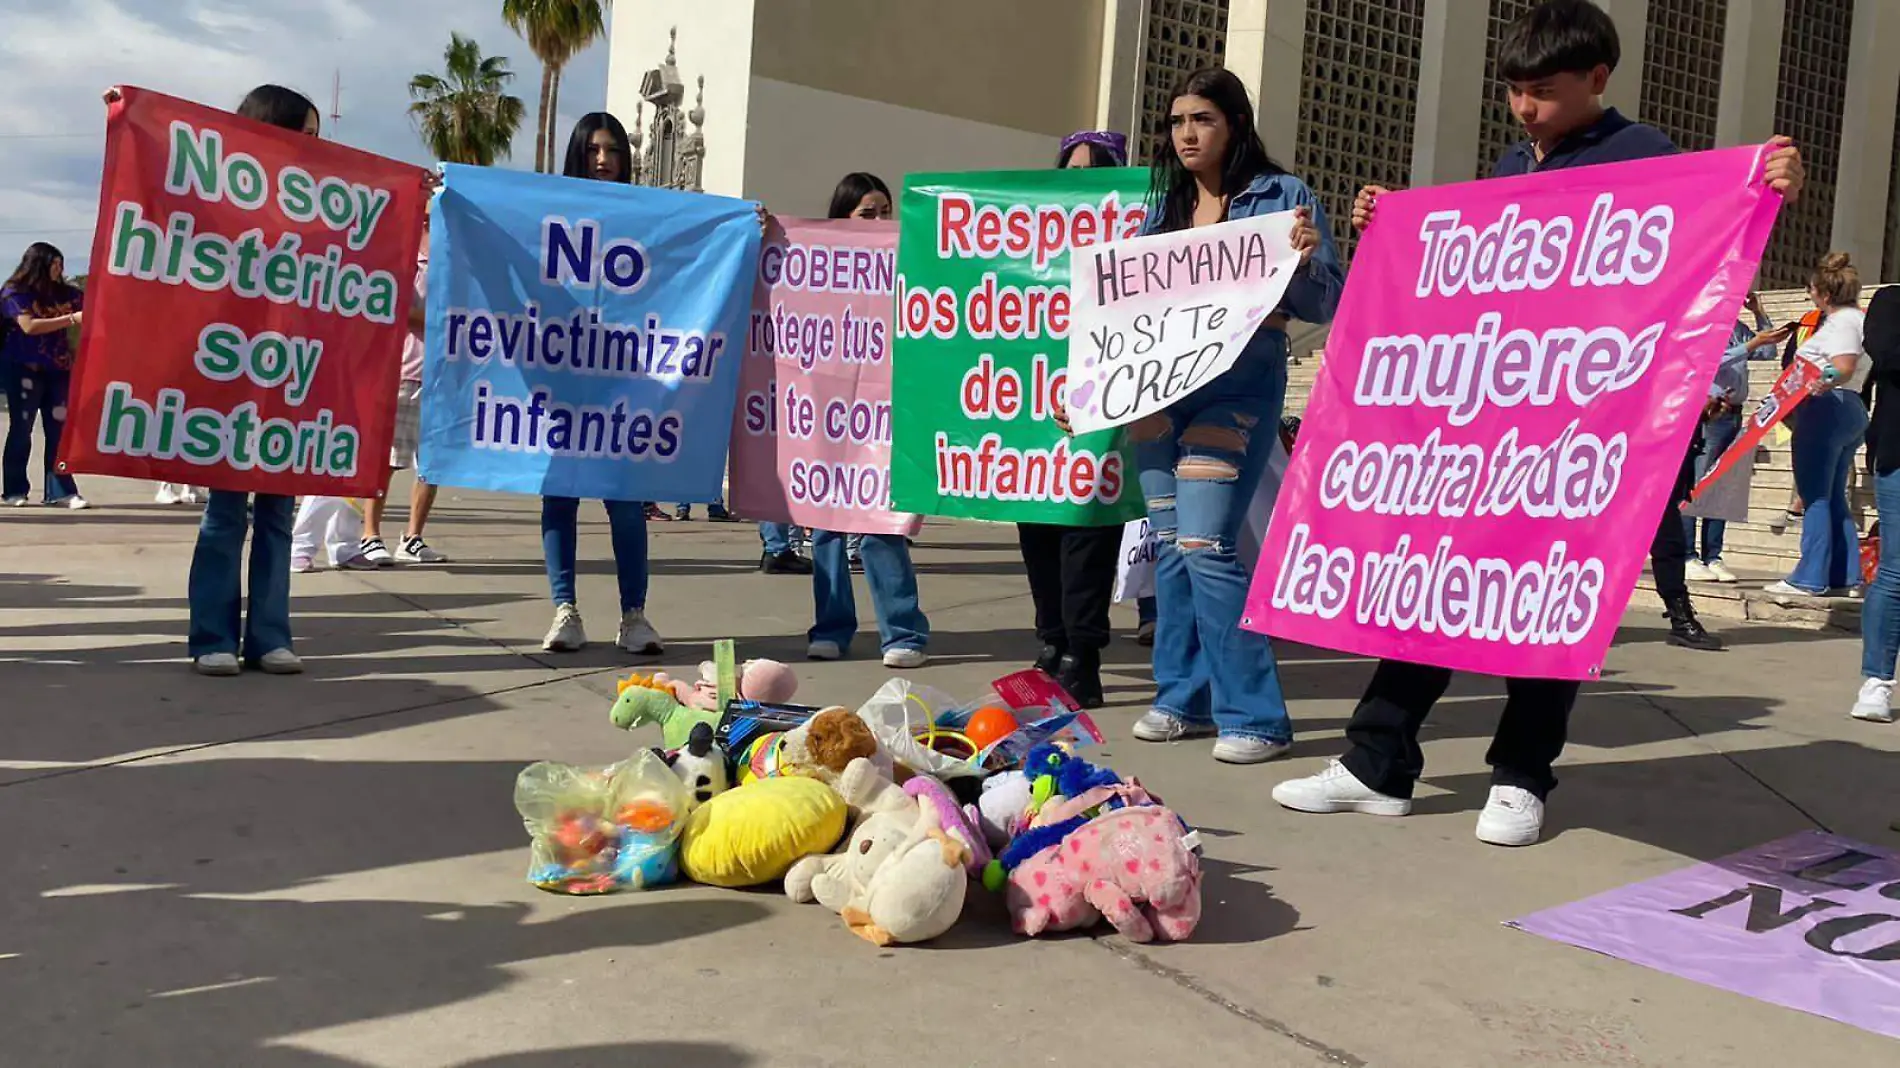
<point x="56" y="56"/>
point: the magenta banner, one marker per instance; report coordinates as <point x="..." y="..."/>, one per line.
<point x="1505" y="400"/>
<point x="812" y="441"/>
<point x="1811" y="921"/>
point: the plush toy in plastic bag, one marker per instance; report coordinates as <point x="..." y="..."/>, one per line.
<point x="901" y="711"/>
<point x="595" y="831"/>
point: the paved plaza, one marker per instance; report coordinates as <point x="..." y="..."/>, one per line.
<point x="327" y="871"/>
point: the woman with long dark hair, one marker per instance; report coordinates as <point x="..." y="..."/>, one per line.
<point x="36" y="371"/>
<point x="598" y="150"/>
<point x="1201" y="458"/>
<point x="1072" y="569"/>
<point x="223" y="639"/>
<point x="903" y="629"/>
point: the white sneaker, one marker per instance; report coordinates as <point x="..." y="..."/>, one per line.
<point x="1336" y="789"/>
<point x="377" y="553"/>
<point x="302" y="565"/>
<point x="824" y="651"/>
<point x="168" y="494"/>
<point x="416" y="551"/>
<point x="1512" y="817"/>
<point x="14" y="502"/>
<point x="281" y="662"/>
<point x="1721" y="572"/>
<point x="74" y="503"/>
<point x="1158" y="726"/>
<point x="1697" y="571"/>
<point x="566" y="635"/>
<point x="1241" y="749"/>
<point x="359" y="562"/>
<point x="637" y="636"/>
<point x="1875" y="703"/>
<point x="905" y="658"/>
<point x="219" y="665"/>
<point x="196" y="495"/>
<point x="1781" y="589"/>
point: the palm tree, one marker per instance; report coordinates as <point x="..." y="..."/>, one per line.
<point x="556" y="31"/>
<point x="463" y="114"/>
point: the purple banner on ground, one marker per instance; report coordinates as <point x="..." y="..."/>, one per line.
<point x="1811" y="921"/>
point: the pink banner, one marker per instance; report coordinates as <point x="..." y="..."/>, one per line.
<point x="1507" y="395"/>
<point x="811" y="443"/>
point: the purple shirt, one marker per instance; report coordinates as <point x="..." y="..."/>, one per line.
<point x="45" y="350"/>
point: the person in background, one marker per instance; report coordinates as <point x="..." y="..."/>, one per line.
<point x="715" y="512"/>
<point x="781" y="555"/>
<point x="221" y="632"/>
<point x="170" y="493"/>
<point x="1072" y="569"/>
<point x="1798" y="335"/>
<point x="1200" y="459"/>
<point x="404" y="447"/>
<point x="903" y="629"/>
<point x="1721" y="424"/>
<point x="36" y="371"/>
<point x="1880" y="616"/>
<point x="599" y="150"/>
<point x="1831" y="426"/>
<point x="1556" y="61"/>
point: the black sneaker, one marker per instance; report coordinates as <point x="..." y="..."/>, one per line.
<point x="717" y="513"/>
<point x="785" y="563"/>
<point x="857" y="564"/>
<point x="683" y="512"/>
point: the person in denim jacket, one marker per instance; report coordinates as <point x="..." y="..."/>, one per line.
<point x="1200" y="459"/>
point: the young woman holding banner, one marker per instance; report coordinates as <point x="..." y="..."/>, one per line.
<point x="36" y="370"/>
<point x="598" y="150"/>
<point x="903" y="629"/>
<point x="1072" y="569"/>
<point x="220" y="631"/>
<point x="1201" y="459"/>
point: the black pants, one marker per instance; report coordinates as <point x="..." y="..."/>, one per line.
<point x="1669" y="552"/>
<point x="1072" y="579"/>
<point x="1384" y="729"/>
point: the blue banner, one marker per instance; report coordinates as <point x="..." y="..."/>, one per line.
<point x="582" y="335"/>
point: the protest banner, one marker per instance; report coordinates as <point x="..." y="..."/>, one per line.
<point x="812" y="442"/>
<point x="1158" y="317"/>
<point x="247" y="306"/>
<point x="1790" y="389"/>
<point x="1505" y="403"/>
<point x="983" y="313"/>
<point x="584" y="338"/>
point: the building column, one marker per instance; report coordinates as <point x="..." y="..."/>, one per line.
<point x="1450" y="92"/>
<point x="1118" y="100"/>
<point x="1751" y="47"/>
<point x="1265" y="49"/>
<point x="1867" y="121"/>
<point x="1632" y="30"/>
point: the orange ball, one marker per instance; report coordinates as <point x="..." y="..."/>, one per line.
<point x="989" y="725"/>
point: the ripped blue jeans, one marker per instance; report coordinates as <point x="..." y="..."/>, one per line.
<point x="1200" y="461"/>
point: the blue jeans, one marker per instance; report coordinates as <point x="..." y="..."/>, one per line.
<point x="1830" y="430"/>
<point x="1198" y="473"/>
<point x="34" y="393"/>
<point x="1717" y="436"/>
<point x="560" y="538"/>
<point x="217" y="566"/>
<point x="1880" y="616"/>
<point x="901" y="624"/>
<point x="1145" y="610"/>
<point x="776" y="537"/>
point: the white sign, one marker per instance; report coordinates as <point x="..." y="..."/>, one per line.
<point x="1158" y="317"/>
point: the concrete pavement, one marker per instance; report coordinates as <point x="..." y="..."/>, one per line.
<point x="327" y="870"/>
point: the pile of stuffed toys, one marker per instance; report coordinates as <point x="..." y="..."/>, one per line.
<point x="880" y="827"/>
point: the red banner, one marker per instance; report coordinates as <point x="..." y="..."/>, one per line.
<point x="1790" y="390"/>
<point x="246" y="307"/>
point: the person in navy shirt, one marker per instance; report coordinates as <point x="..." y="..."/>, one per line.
<point x="1556" y="61"/>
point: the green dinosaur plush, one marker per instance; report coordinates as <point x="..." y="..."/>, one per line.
<point x="653" y="699"/>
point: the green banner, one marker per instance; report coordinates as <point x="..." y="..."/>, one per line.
<point x="982" y="347"/>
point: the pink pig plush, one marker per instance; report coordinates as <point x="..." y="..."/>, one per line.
<point x="1129" y="866"/>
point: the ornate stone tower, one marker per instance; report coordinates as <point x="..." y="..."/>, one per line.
<point x="665" y="154"/>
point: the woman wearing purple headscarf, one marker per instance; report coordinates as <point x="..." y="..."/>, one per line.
<point x="1072" y="569"/>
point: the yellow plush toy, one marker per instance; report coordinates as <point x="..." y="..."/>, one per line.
<point x="754" y="834"/>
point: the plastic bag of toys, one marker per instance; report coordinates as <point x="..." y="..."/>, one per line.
<point x="595" y="831"/>
<point x="905" y="719"/>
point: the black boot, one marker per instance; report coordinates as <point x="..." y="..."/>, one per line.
<point x="1049" y="661"/>
<point x="1685" y="629"/>
<point x="1081" y="675"/>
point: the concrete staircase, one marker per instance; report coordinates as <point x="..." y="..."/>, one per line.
<point x="1761" y="550"/>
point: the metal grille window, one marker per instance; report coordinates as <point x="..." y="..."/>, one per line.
<point x="1682" y="69"/>
<point x="1808" y="104"/>
<point x="1498" y="129"/>
<point x="1358" y="99"/>
<point x="1182" y="37"/>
